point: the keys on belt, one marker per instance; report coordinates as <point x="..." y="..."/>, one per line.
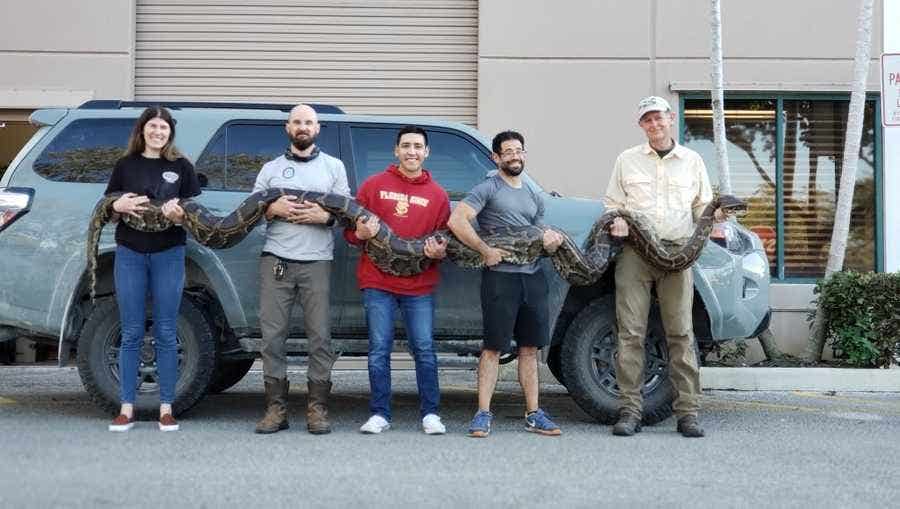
<point x="278" y="269"/>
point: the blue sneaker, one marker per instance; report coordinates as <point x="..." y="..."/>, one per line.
<point x="480" y="426"/>
<point x="539" y="422"/>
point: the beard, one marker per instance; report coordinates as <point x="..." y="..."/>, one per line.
<point x="303" y="143"/>
<point x="508" y="169"/>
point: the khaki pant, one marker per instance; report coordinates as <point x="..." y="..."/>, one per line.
<point x="634" y="280"/>
<point x="311" y="283"/>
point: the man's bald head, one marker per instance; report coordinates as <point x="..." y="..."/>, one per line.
<point x="302" y="127"/>
<point x="303" y="110"/>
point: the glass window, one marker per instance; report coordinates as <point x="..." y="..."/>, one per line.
<point x="813" y="154"/>
<point x="85" y="151"/>
<point x="750" y="129"/>
<point x="454" y="162"/>
<point x="806" y="177"/>
<point x="212" y="163"/>
<point x="235" y="155"/>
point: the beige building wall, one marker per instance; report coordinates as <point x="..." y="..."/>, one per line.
<point x="63" y="53"/>
<point x="568" y="76"/>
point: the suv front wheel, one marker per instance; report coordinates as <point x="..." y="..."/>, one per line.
<point x="587" y="363"/>
<point x="98" y="355"/>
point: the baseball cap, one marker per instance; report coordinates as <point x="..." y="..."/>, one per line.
<point x="652" y="103"/>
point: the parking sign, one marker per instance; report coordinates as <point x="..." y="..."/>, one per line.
<point x="890" y="89"/>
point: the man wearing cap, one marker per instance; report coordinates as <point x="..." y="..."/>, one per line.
<point x="666" y="183"/>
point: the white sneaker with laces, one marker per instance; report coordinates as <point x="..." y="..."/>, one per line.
<point x="375" y="425"/>
<point x="432" y="425"/>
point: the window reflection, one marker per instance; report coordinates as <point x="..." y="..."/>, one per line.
<point x="235" y="155"/>
<point x="86" y="150"/>
<point x="811" y="166"/>
<point x="454" y="162"/>
<point x="750" y="130"/>
<point x="813" y="159"/>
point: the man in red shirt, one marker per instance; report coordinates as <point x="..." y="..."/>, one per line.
<point x="413" y="205"/>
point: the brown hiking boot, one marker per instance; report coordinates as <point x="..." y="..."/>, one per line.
<point x="689" y="427"/>
<point x="627" y="425"/>
<point x="317" y="408"/>
<point x="275" y="419"/>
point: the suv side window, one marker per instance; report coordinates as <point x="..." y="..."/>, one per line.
<point x="237" y="152"/>
<point x="85" y="151"/>
<point x="456" y="163"/>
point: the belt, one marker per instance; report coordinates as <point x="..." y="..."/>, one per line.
<point x="286" y="260"/>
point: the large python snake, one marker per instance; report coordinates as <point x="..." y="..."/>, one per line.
<point x="405" y="257"/>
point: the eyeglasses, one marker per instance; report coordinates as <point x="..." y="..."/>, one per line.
<point x="513" y="152"/>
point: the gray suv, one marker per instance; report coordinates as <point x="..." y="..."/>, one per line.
<point x="49" y="190"/>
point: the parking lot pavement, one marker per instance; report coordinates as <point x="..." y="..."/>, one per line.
<point x="780" y="449"/>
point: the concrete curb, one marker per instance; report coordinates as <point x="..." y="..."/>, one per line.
<point x="801" y="379"/>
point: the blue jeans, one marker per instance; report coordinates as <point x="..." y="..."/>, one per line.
<point x="162" y="276"/>
<point x="418" y="317"/>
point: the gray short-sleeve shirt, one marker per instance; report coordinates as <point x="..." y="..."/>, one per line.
<point x="499" y="204"/>
<point x="325" y="174"/>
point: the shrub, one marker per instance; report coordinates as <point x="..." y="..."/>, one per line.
<point x="862" y="316"/>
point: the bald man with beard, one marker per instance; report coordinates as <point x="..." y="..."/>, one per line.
<point x="296" y="265"/>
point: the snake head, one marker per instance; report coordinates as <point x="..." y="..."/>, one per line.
<point x="731" y="204"/>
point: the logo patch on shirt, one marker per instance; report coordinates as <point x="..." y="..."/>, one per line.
<point x="170" y="176"/>
<point x="403" y="201"/>
<point x="401" y="208"/>
<point x="287" y="172"/>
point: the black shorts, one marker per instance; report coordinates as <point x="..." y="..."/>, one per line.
<point x="514" y="305"/>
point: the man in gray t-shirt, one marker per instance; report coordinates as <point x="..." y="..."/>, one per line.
<point x="296" y="265"/>
<point x="513" y="297"/>
<point x="497" y="203"/>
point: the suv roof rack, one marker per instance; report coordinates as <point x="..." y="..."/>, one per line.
<point x="112" y="104"/>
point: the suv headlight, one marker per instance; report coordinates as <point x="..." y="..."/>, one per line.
<point x="15" y="202"/>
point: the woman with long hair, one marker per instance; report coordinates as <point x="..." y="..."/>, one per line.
<point x="150" y="262"/>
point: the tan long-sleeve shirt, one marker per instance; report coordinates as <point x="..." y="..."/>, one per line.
<point x="671" y="192"/>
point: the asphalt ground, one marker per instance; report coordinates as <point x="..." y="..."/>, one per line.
<point x="777" y="449"/>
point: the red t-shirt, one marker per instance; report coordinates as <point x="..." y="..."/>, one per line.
<point x="412" y="208"/>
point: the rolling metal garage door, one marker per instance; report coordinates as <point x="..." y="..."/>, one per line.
<point x="398" y="57"/>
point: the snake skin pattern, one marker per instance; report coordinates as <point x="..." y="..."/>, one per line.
<point x="406" y="257"/>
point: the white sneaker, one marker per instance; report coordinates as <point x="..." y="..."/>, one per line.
<point x="432" y="425"/>
<point x="375" y="425"/>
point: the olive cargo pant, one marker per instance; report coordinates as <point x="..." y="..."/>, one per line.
<point x="634" y="281"/>
<point x="310" y="283"/>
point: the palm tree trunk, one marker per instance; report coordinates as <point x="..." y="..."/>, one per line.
<point x="766" y="339"/>
<point x="718" y="102"/>
<point x="848" y="173"/>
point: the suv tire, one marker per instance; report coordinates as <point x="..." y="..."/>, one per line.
<point x="227" y="373"/>
<point x="554" y="363"/>
<point x="588" y="368"/>
<point x="98" y="359"/>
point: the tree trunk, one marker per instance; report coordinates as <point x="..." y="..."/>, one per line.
<point x="770" y="346"/>
<point x="766" y="339"/>
<point x="718" y="102"/>
<point x="848" y="173"/>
